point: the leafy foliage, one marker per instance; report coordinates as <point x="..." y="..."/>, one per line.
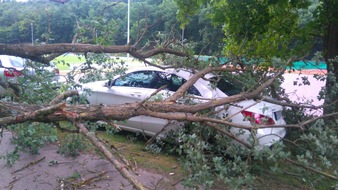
<point x="72" y="145"/>
<point x="263" y="29"/>
<point x="211" y="158"/>
<point x="11" y="157"/>
<point x="32" y="136"/>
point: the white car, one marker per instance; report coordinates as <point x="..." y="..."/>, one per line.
<point x="138" y="84"/>
<point x="12" y="67"/>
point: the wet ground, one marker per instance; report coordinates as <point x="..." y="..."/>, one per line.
<point x="303" y="93"/>
<point x="49" y="170"/>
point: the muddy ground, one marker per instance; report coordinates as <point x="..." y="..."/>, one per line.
<point x="49" y="170"/>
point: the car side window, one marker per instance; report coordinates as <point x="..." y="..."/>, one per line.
<point x="225" y="86"/>
<point x="139" y="79"/>
<point x="173" y="83"/>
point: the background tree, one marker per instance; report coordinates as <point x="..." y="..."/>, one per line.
<point x="269" y="29"/>
<point x="329" y="23"/>
<point x="60" y="22"/>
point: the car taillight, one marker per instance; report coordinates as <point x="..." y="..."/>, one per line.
<point x="258" y="118"/>
<point x="12" y="73"/>
<point x="56" y="71"/>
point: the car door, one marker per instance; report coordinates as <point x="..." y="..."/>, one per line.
<point x="151" y="125"/>
<point x="129" y="88"/>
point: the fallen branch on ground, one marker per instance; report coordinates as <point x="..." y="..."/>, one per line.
<point x="29" y="164"/>
<point x="312" y="169"/>
<point x="123" y="169"/>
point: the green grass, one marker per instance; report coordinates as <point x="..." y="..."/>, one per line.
<point x="134" y="151"/>
<point x="64" y="62"/>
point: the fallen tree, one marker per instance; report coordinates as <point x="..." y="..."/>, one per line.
<point x="57" y="111"/>
<point x="309" y="129"/>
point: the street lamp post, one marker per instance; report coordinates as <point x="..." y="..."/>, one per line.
<point x="182" y="36"/>
<point x="32" y="33"/>
<point x="128" y="25"/>
<point x="128" y="29"/>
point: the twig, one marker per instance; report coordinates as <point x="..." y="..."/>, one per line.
<point x="90" y="180"/>
<point x="227" y="133"/>
<point x="151" y="140"/>
<point x="29" y="164"/>
<point x="256" y="102"/>
<point x="135" y="164"/>
<point x="312" y="169"/>
<point x="106" y="7"/>
<point x="177" y="181"/>
<point x="274" y="101"/>
<point x="10" y="185"/>
<point x="290" y="173"/>
<point x="152" y="94"/>
<point x="158" y="183"/>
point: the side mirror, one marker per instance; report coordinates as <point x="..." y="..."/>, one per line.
<point x="110" y="83"/>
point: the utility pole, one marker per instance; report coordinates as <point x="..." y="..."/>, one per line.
<point x="128" y="26"/>
<point x="32" y="33"/>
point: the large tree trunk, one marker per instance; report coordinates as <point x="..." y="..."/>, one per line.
<point x="331" y="52"/>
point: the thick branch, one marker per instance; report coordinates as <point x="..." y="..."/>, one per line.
<point x="36" y="52"/>
<point x="35" y="115"/>
<point x="63" y="96"/>
<point x="181" y="91"/>
<point x="120" y="167"/>
<point x="29" y="51"/>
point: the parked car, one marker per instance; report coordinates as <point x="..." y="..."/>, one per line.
<point x="12" y="67"/>
<point x="138" y="84"/>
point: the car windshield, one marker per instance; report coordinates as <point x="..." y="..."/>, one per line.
<point x="152" y="80"/>
<point x="225" y="86"/>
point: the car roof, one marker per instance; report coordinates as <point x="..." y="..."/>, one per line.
<point x="150" y="68"/>
<point x="12" y="61"/>
<point x="185" y="73"/>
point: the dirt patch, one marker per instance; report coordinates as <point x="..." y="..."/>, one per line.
<point x="50" y="170"/>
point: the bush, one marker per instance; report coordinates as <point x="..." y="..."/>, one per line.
<point x="72" y="145"/>
<point x="32" y="136"/>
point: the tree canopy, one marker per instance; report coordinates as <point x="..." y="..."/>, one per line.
<point x="274" y="29"/>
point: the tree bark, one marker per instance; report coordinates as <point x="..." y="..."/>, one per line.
<point x="120" y="167"/>
<point x="37" y="52"/>
<point x="331" y="52"/>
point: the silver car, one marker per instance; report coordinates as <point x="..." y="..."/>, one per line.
<point x="138" y="84"/>
<point x="12" y="67"/>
